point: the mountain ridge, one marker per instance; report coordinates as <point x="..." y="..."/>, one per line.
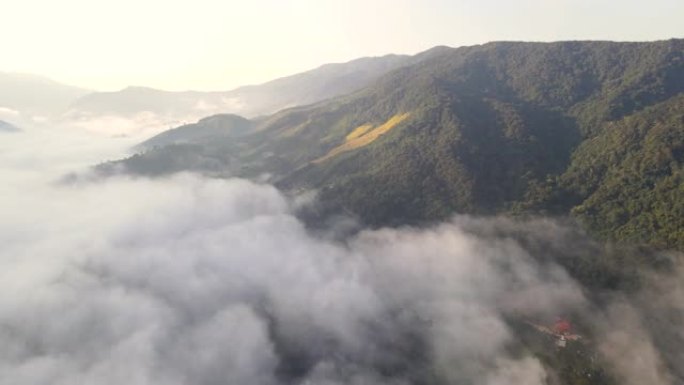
<point x="142" y="109"/>
<point x="491" y="128"/>
<point x="307" y="87"/>
<point x="34" y="95"/>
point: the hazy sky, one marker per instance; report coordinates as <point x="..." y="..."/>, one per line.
<point x="220" y="44"/>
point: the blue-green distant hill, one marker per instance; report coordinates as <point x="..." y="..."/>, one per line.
<point x="8" y="127"/>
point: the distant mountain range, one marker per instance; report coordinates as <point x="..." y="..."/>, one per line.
<point x="35" y="96"/>
<point x="305" y="88"/>
<point x="121" y="111"/>
<point x="589" y="129"/>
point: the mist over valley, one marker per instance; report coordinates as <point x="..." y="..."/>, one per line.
<point x="498" y="200"/>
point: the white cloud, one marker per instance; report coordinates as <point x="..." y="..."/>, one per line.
<point x="141" y="124"/>
<point x="203" y="106"/>
<point x="189" y="280"/>
<point x="6" y="111"/>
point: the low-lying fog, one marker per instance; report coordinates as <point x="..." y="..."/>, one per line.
<point x="188" y="280"/>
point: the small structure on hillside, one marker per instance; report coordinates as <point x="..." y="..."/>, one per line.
<point x="561" y="331"/>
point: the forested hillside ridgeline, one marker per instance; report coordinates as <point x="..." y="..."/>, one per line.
<point x="588" y="129"/>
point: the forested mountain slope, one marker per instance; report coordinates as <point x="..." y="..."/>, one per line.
<point x="592" y="129"/>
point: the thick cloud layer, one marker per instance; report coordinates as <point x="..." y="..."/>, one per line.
<point x="189" y="280"/>
<point x="200" y="281"/>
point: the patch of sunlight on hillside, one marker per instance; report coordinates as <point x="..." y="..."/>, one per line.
<point x="363" y="136"/>
<point x="359" y="131"/>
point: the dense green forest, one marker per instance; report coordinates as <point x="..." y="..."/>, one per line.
<point x="627" y="182"/>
